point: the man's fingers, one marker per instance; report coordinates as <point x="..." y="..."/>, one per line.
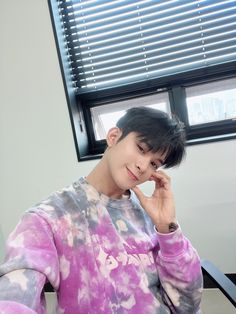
<point x="161" y="179"/>
<point x="160" y="174"/>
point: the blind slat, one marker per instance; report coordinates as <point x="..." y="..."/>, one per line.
<point x="145" y="21"/>
<point x="158" y="62"/>
<point x="115" y="63"/>
<point x="165" y="18"/>
<point x="112" y="43"/>
<point x="162" y="50"/>
<point x="158" y="40"/>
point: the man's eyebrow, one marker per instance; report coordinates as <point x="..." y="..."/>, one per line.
<point x="142" y="143"/>
<point x="146" y="145"/>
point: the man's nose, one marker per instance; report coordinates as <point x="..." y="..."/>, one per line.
<point x="142" y="163"/>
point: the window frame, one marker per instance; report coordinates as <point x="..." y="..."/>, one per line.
<point x="88" y="148"/>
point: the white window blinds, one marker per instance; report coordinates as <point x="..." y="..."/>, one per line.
<point x="115" y="43"/>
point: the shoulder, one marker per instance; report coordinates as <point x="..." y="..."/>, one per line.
<point x="66" y="201"/>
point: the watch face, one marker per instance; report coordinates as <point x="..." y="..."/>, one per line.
<point x="173" y="226"/>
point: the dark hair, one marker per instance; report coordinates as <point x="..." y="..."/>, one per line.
<point x="157" y="130"/>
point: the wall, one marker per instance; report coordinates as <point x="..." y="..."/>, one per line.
<point x="37" y="151"/>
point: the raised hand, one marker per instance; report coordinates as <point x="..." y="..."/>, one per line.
<point x="160" y="205"/>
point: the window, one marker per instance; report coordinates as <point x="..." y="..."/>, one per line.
<point x="104" y="117"/>
<point x="122" y="53"/>
<point x="211" y="102"/>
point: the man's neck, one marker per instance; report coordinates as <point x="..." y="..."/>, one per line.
<point x="102" y="181"/>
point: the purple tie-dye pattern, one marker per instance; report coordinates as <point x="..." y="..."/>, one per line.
<point x="101" y="256"/>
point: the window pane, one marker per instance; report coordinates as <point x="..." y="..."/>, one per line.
<point x="105" y="117"/>
<point x="211" y="102"/>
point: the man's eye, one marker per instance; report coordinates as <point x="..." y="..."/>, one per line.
<point x="140" y="148"/>
<point x="154" y="165"/>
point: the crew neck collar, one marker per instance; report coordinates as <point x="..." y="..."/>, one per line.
<point x="93" y="193"/>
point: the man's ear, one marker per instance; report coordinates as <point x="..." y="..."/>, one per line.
<point x="113" y="136"/>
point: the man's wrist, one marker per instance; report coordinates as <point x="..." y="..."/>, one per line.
<point x="166" y="228"/>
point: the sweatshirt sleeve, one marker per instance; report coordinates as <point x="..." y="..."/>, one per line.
<point x="31" y="260"/>
<point x="179" y="272"/>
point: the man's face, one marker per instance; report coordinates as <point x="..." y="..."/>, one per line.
<point x="129" y="161"/>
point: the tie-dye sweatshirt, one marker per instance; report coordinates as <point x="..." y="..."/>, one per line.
<point x="101" y="255"/>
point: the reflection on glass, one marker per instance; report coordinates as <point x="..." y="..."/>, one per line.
<point x="212" y="106"/>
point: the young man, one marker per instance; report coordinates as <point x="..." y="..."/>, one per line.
<point x="103" y="245"/>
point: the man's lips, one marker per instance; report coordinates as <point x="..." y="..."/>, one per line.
<point x="131" y="175"/>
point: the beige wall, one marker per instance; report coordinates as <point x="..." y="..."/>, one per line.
<point x="37" y="151"/>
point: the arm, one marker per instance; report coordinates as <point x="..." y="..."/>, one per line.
<point x="178" y="262"/>
<point x="31" y="259"/>
<point x="179" y="272"/>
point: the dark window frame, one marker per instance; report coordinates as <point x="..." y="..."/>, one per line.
<point x="87" y="148"/>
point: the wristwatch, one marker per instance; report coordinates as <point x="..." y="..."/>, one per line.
<point x="172" y="227"/>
